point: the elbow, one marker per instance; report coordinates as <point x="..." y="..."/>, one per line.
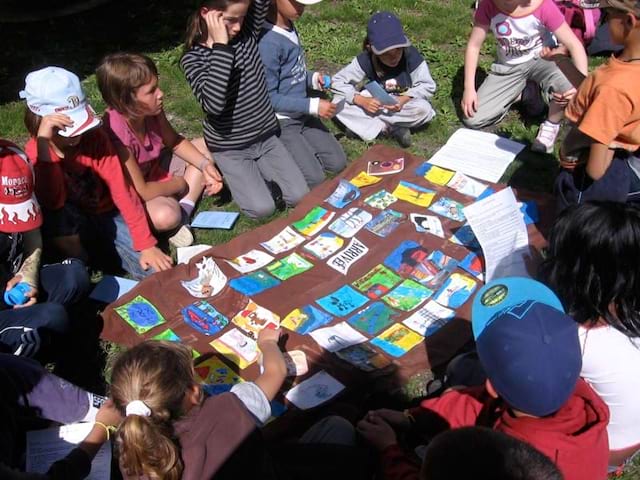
<point x="595" y="172"/>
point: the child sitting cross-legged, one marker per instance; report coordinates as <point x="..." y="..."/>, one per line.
<point x="530" y="352"/>
<point x="87" y="198"/>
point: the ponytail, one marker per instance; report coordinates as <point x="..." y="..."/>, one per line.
<point x="158" y="374"/>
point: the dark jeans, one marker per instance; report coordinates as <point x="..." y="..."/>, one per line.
<point x="39" y="330"/>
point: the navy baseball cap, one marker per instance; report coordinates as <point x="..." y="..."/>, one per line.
<point x="527" y="345"/>
<point x="385" y="33"/>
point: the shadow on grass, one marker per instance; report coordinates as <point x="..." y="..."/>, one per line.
<point x="78" y="42"/>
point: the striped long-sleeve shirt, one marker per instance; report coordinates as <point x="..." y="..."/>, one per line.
<point x="229" y="82"/>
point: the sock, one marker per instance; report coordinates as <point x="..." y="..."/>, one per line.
<point x="187" y="206"/>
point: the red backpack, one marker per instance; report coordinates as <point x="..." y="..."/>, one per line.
<point x="582" y="16"/>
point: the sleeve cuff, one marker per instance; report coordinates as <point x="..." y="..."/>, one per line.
<point x="253" y="399"/>
<point x="314" y="106"/>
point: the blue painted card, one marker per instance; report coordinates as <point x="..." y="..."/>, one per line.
<point x="140" y="314"/>
<point x="343" y="195"/>
<point x="306" y="319"/>
<point x="204" y="318"/>
<point x="254" y="283"/>
<point x="385" y="222"/>
<point x="373" y="318"/>
<point x="343" y="301"/>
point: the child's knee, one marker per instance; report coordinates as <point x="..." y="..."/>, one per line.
<point x="295" y="193"/>
<point x="424" y="111"/>
<point x="259" y="209"/>
<point x="166" y="216"/>
<point x="474" y="122"/>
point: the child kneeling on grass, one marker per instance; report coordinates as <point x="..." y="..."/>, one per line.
<point x="600" y="154"/>
<point x="163" y="165"/>
<point x="530" y="352"/>
<point x="389" y="59"/>
<point x="86" y="196"/>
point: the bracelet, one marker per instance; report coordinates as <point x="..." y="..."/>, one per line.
<point x="108" y="428"/>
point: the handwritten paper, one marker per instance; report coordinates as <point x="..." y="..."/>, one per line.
<point x="479" y="154"/>
<point x="314" y="391"/>
<point x="499" y="227"/>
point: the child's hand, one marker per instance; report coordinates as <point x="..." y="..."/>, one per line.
<point x="402" y="100"/>
<point x="267" y="335"/>
<point x="326" y="109"/>
<point x="322" y="81"/>
<point x="394" y="418"/>
<point x="563" y="99"/>
<point x="368" y="104"/>
<point x="109" y="414"/>
<point x="50" y="125"/>
<point x="32" y="294"/>
<point x="553" y="54"/>
<point x="469" y="103"/>
<point x="376" y="431"/>
<point x="216" y="29"/>
<point x="155" y="258"/>
<point x="212" y="179"/>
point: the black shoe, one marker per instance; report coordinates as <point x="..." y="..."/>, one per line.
<point x="402" y="136"/>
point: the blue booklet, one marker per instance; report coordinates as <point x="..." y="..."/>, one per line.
<point x="223" y="220"/>
<point x="376" y="90"/>
<point x="110" y="288"/>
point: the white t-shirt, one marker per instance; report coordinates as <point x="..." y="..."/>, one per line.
<point x="611" y="365"/>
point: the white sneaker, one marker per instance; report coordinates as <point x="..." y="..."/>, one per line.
<point x="546" y="137"/>
<point x="182" y="238"/>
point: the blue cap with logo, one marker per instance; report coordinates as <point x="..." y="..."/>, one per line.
<point x="527" y="345"/>
<point x="384" y="32"/>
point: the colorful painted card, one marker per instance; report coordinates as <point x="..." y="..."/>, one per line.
<point x="343" y="195"/>
<point x="285" y="240"/>
<point x="442" y="261"/>
<point x="464" y="236"/>
<point x="253" y="318"/>
<point x="434" y="174"/>
<point x="372" y="319"/>
<point x="140" y="314"/>
<point x="171" y="336"/>
<point x="385" y="167"/>
<point x="364" y="357"/>
<point x="427" y="224"/>
<point x="377" y="282"/>
<point x="254" y="283"/>
<point x="407" y="296"/>
<point x="397" y="340"/>
<point x="429" y="319"/>
<point x="343" y="260"/>
<point x="412" y="193"/>
<point x="342" y="302"/>
<point x="364" y="180"/>
<point x="306" y="319"/>
<point x="204" y="318"/>
<point x="325" y="244"/>
<point x="216" y="376"/>
<point x="289" y="266"/>
<point x="314" y="391"/>
<point x="314" y="221"/>
<point x="385" y="222"/>
<point x="350" y="222"/>
<point x="455" y="291"/>
<point x="448" y="208"/>
<point x="412" y="260"/>
<point x="209" y="281"/>
<point x="466" y="185"/>
<point x="337" y="337"/>
<point x="237" y="347"/>
<point x="250" y="261"/>
<point x="380" y="200"/>
<point x="474" y="264"/>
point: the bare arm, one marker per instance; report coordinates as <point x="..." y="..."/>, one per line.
<point x="578" y="54"/>
<point x="469" y="101"/>
<point x="275" y="368"/>
<point x="600" y="157"/>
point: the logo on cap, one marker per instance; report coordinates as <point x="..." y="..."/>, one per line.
<point x="494" y="295"/>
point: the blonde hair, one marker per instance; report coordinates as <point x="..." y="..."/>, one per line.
<point x="197" y="28"/>
<point x="159" y="374"/>
<point x="119" y="76"/>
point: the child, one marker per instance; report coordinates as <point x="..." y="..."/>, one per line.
<point x="222" y="64"/>
<point x="29" y="328"/>
<point x="311" y="145"/>
<point x="599" y="285"/>
<point x="530" y="352"/>
<point x="519" y="27"/>
<point x="389" y="59"/>
<point x="153" y="150"/>
<point x="599" y="153"/>
<point x="82" y="184"/>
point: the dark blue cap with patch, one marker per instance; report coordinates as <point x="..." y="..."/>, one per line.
<point x="384" y="32"/>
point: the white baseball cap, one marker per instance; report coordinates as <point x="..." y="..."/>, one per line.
<point x="56" y="90"/>
<point x="308" y="2"/>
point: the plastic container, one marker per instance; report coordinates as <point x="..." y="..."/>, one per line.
<point x="17" y="295"/>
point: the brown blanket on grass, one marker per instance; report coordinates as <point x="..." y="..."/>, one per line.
<point x="165" y="291"/>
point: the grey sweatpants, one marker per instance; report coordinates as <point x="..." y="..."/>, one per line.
<point x="313" y="148"/>
<point x="248" y="170"/>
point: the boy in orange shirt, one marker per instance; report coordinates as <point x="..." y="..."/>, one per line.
<point x="599" y="155"/>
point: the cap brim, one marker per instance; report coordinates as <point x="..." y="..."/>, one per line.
<point x="20" y="217"/>
<point x="504" y="293"/>
<point x="84" y="119"/>
<point x="398" y="44"/>
<point x="308" y="2"/>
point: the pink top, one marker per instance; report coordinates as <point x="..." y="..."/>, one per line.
<point x="519" y="39"/>
<point x="146" y="152"/>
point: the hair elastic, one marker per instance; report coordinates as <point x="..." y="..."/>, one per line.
<point x="137" y="407"/>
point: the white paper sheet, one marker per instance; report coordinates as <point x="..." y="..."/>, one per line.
<point x="478" y="154"/>
<point x="44" y="447"/>
<point x="314" y="391"/>
<point x="110" y="288"/>
<point x="337" y="337"/>
<point x="187" y="253"/>
<point x="499" y="227"/>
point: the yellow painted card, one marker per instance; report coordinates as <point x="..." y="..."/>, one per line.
<point x="412" y="193"/>
<point x="438" y="176"/>
<point x="363" y="179"/>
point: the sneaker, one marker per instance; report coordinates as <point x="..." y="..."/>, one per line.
<point x="182" y="238"/>
<point x="546" y="137"/>
<point x="402" y="136"/>
<point x="532" y="101"/>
